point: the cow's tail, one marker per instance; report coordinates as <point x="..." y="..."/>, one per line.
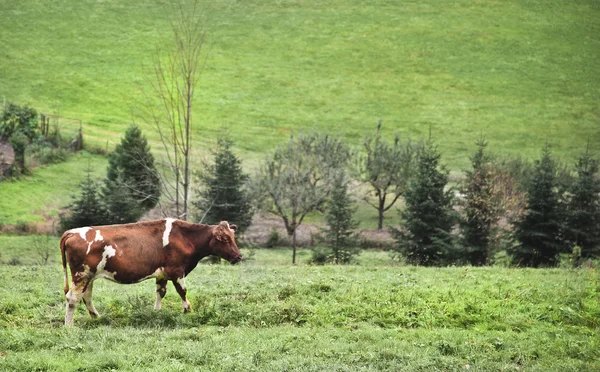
<point x="63" y="253"/>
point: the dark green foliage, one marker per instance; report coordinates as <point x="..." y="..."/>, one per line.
<point x="425" y="239"/>
<point x="273" y="240"/>
<point x="387" y="169"/>
<point x="339" y="235"/>
<point x="539" y="231"/>
<point x="132" y="164"/>
<point x="15" y="118"/>
<point x="224" y="196"/>
<point x="119" y="202"/>
<point x="583" y="209"/>
<point x="19" y="142"/>
<point x="87" y="209"/>
<point x="481" y="208"/>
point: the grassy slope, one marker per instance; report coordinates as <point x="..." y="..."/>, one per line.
<point x="264" y="314"/>
<point x="48" y="189"/>
<point x="516" y="71"/>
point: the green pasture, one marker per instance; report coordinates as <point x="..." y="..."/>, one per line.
<point x="50" y="188"/>
<point x="265" y="314"/>
<point x="522" y="73"/>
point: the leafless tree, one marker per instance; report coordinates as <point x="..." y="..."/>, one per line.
<point x="43" y="246"/>
<point x="173" y="79"/>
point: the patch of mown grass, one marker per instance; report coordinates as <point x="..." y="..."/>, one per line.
<point x="258" y="316"/>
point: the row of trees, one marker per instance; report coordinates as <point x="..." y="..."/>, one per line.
<point x="533" y="212"/>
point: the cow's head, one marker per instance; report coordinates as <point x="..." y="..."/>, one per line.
<point x="223" y="244"/>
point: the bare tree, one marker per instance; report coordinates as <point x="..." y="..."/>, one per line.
<point x="43" y="247"/>
<point x="173" y="81"/>
<point x="297" y="178"/>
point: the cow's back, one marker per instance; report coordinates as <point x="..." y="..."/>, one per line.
<point x="123" y="253"/>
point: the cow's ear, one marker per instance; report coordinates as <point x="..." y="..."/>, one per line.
<point x="220" y="234"/>
<point x="233" y="227"/>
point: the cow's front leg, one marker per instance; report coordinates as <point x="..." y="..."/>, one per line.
<point x="179" y="284"/>
<point x="161" y="290"/>
<point x="87" y="300"/>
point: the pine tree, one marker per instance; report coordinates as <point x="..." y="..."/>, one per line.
<point x="224" y="196"/>
<point x="583" y="210"/>
<point x="481" y="208"/>
<point x="133" y="165"/>
<point x="425" y="238"/>
<point x="539" y="231"/>
<point x="120" y="204"/>
<point x="87" y="209"/>
<point x="339" y="235"/>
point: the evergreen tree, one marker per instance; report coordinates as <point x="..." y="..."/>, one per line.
<point x="87" y="209"/>
<point x="583" y="210"/>
<point x="339" y="235"/>
<point x="481" y="208"/>
<point x="539" y="231"/>
<point x="120" y="204"/>
<point x="224" y="196"/>
<point x="425" y="238"/>
<point x="133" y="165"/>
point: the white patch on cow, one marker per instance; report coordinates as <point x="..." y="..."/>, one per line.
<point x="109" y="252"/>
<point x="98" y="238"/>
<point x="158" y="303"/>
<point x="181" y="282"/>
<point x="168" y="226"/>
<point x="81" y="231"/>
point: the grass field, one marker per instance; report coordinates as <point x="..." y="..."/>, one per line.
<point x="40" y="196"/>
<point x="267" y="315"/>
<point x="519" y="72"/>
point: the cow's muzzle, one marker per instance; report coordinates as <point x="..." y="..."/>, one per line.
<point x="236" y="259"/>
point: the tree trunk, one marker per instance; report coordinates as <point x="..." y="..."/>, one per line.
<point x="294" y="248"/>
<point x="380" y="210"/>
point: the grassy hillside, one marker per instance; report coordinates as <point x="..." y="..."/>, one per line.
<point x="519" y="72"/>
<point x="266" y="315"/>
<point x="40" y="196"/>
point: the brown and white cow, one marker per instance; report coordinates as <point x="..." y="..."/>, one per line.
<point x="166" y="249"/>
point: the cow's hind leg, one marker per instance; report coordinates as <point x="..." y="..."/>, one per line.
<point x="74" y="295"/>
<point x="87" y="300"/>
<point x="179" y="284"/>
<point x="161" y="290"/>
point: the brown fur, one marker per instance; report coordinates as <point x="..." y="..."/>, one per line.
<point x="139" y="253"/>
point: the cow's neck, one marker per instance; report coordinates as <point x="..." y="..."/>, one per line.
<point x="199" y="236"/>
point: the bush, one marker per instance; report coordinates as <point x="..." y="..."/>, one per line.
<point x="274" y="239"/>
<point x="320" y="256"/>
<point x="25" y="228"/>
<point x="48" y="155"/>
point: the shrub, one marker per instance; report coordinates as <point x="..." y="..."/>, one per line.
<point x="24" y="227"/>
<point x="274" y="239"/>
<point x="320" y="256"/>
